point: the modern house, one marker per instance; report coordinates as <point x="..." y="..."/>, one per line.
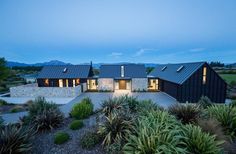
<point x="187" y="82"/>
<point x="122" y="77"/>
<point x="64" y="76"/>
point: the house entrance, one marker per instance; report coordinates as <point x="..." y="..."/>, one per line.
<point x="122" y="84"/>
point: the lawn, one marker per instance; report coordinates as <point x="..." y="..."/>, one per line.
<point x="228" y="77"/>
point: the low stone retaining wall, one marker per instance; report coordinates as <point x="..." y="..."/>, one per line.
<point x="32" y="90"/>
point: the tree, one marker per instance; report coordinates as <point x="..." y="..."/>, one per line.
<point x="3" y="69"/>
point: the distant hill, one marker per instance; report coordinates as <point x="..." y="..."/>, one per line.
<point x="52" y="62"/>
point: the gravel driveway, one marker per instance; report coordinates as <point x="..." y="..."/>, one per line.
<point x="97" y="98"/>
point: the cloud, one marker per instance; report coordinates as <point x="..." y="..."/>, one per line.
<point x="115" y="54"/>
<point x="197" y="49"/>
<point x="142" y="51"/>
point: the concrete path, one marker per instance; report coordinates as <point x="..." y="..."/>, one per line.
<point x="97" y="98"/>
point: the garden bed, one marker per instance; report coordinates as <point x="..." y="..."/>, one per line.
<point x="44" y="142"/>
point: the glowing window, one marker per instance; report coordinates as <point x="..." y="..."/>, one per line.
<point x="77" y="81"/>
<point x="204" y="79"/>
<point x="67" y="83"/>
<point x="73" y="82"/>
<point x="122" y="71"/>
<point x="46" y="81"/>
<point x="60" y="83"/>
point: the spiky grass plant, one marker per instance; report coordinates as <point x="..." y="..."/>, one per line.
<point x="145" y="106"/>
<point x="43" y="115"/>
<point x="205" y="102"/>
<point x="199" y="142"/>
<point x="1" y="122"/>
<point x="156" y="132"/>
<point x="226" y="115"/>
<point x="16" y="139"/>
<point x="186" y="113"/>
<point x="114" y="105"/>
<point x="39" y="105"/>
<point x="115" y="128"/>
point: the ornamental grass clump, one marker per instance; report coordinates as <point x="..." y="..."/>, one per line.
<point x="156" y="132"/>
<point x="89" y="140"/>
<point x="83" y="109"/>
<point x="200" y="142"/>
<point x="44" y="115"/>
<point x="186" y="113"/>
<point x="205" y="102"/>
<point x="226" y="115"/>
<point x="16" y="139"/>
<point x="114" y="105"/>
<point x="115" y="128"/>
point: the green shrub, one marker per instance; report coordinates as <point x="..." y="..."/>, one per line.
<point x="89" y="140"/>
<point x="17" y="109"/>
<point x="199" y="142"/>
<point x="83" y="109"/>
<point x="113" y="105"/>
<point x="76" y="124"/>
<point x="156" y="132"/>
<point x="3" y="102"/>
<point x="226" y="115"/>
<point x="15" y="139"/>
<point x="61" y="137"/>
<point x="186" y="113"/>
<point x="48" y="119"/>
<point x="205" y="102"/>
<point x="115" y="128"/>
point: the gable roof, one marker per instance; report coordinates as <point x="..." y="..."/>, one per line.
<point x="130" y="71"/>
<point x="169" y="71"/>
<point x="72" y="71"/>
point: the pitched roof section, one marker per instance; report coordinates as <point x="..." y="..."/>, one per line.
<point x="65" y="71"/>
<point x="130" y="71"/>
<point x="176" y="73"/>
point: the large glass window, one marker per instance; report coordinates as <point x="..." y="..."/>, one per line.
<point x="204" y="79"/>
<point x="60" y="83"/>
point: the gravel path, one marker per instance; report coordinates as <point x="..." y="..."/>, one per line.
<point x="44" y="142"/>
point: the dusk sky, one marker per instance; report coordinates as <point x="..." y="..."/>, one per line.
<point x="155" y="31"/>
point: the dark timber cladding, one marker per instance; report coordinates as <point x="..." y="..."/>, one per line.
<point x="64" y="75"/>
<point x="190" y="81"/>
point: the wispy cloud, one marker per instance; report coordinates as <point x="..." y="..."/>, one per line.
<point x="115" y="54"/>
<point x="143" y="51"/>
<point x="197" y="49"/>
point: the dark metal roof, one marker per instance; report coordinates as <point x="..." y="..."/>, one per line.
<point x="171" y="74"/>
<point x="72" y="71"/>
<point x="130" y="71"/>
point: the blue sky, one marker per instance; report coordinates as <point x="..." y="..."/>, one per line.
<point x="157" y="31"/>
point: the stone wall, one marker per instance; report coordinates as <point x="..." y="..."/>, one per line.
<point x="139" y="84"/>
<point x="32" y="90"/>
<point x="106" y="84"/>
